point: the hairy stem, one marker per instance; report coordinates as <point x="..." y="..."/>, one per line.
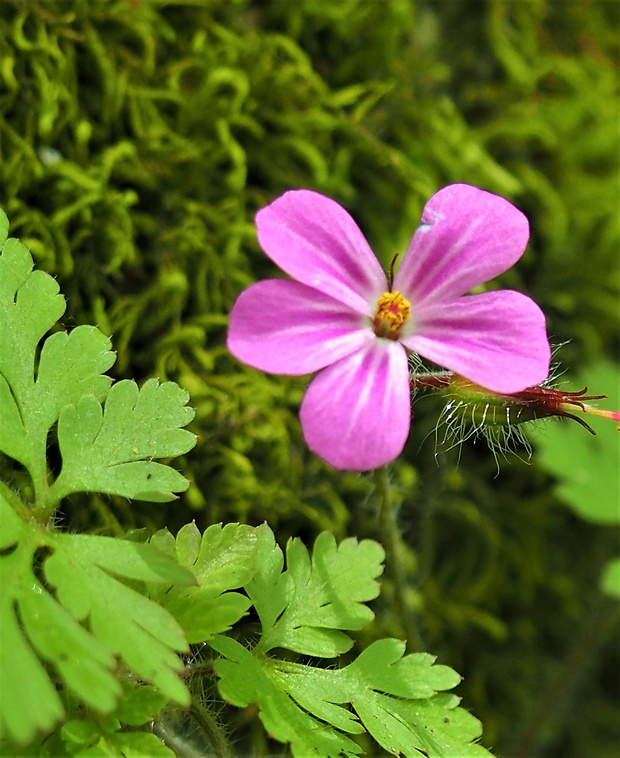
<point x="210" y="728"/>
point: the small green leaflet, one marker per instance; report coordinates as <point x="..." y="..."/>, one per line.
<point x="110" y="450"/>
<point x="107" y="449"/>
<point x="95" y="735"/>
<point x="40" y="629"/>
<point x="221" y="559"/>
<point x="305" y="608"/>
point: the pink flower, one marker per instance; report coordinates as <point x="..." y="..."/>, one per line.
<point x="342" y="318"/>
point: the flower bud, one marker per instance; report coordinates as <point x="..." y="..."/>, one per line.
<point x="472" y="410"/>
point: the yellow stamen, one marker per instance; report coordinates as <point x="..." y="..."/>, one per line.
<point x="393" y="310"/>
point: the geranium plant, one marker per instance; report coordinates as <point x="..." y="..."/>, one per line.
<point x="103" y="639"/>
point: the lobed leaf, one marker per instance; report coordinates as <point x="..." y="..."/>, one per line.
<point x="111" y="450"/>
<point x="221" y="559"/>
<point x="305" y="608"/>
<point x="30" y="304"/>
<point x="70" y="365"/>
<point x="245" y="680"/>
<point x="395" y="698"/>
<point x="392" y="696"/>
<point x="77" y="635"/>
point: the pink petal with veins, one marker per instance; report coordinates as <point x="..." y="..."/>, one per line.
<point x="287" y="328"/>
<point x="497" y="339"/>
<point x="356" y="413"/>
<point x="314" y="240"/>
<point x="466" y="237"/>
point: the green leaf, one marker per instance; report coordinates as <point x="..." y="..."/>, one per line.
<point x="78" y="634"/>
<point x="70" y="365"/>
<point x="30" y="304"/>
<point x="140" y="704"/>
<point x="415" y="676"/>
<point x="392" y="697"/>
<point x="111" y="450"/>
<point x="305" y="608"/>
<point x="586" y="466"/>
<point x="395" y="700"/>
<point x="133" y="560"/>
<point x="148" y="635"/>
<point x="84" y="739"/>
<point x="227" y="555"/>
<point x="244" y="681"/>
<point x="206" y="611"/>
<point x="270" y="589"/>
<point x="35" y="628"/>
<point x="221" y="559"/>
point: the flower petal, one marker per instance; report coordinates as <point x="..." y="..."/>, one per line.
<point x="287" y="328"/>
<point x="497" y="339"/>
<point x="314" y="240"/>
<point x="356" y="414"/>
<point x="466" y="237"/>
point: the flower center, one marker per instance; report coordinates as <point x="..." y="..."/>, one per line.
<point x="393" y="310"/>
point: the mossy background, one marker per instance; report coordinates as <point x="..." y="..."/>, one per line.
<point x="137" y="140"/>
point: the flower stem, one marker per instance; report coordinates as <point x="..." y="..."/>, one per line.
<point x="396" y="557"/>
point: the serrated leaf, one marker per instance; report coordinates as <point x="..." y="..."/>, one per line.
<point x="395" y="698"/>
<point x="35" y="628"/>
<point x="270" y="589"/>
<point x="440" y="728"/>
<point x="227" y="556"/>
<point x="143" y="634"/>
<point x="110" y="450"/>
<point x="205" y="612"/>
<point x="245" y="681"/>
<point x="69" y="365"/>
<point x="415" y="676"/>
<point x="304" y="609"/>
<point x="392" y="696"/>
<point x="30" y="304"/>
<point x="221" y="559"/>
<point x="41" y="632"/>
<point x="133" y="560"/>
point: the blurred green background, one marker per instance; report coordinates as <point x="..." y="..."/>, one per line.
<point x="137" y="140"/>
